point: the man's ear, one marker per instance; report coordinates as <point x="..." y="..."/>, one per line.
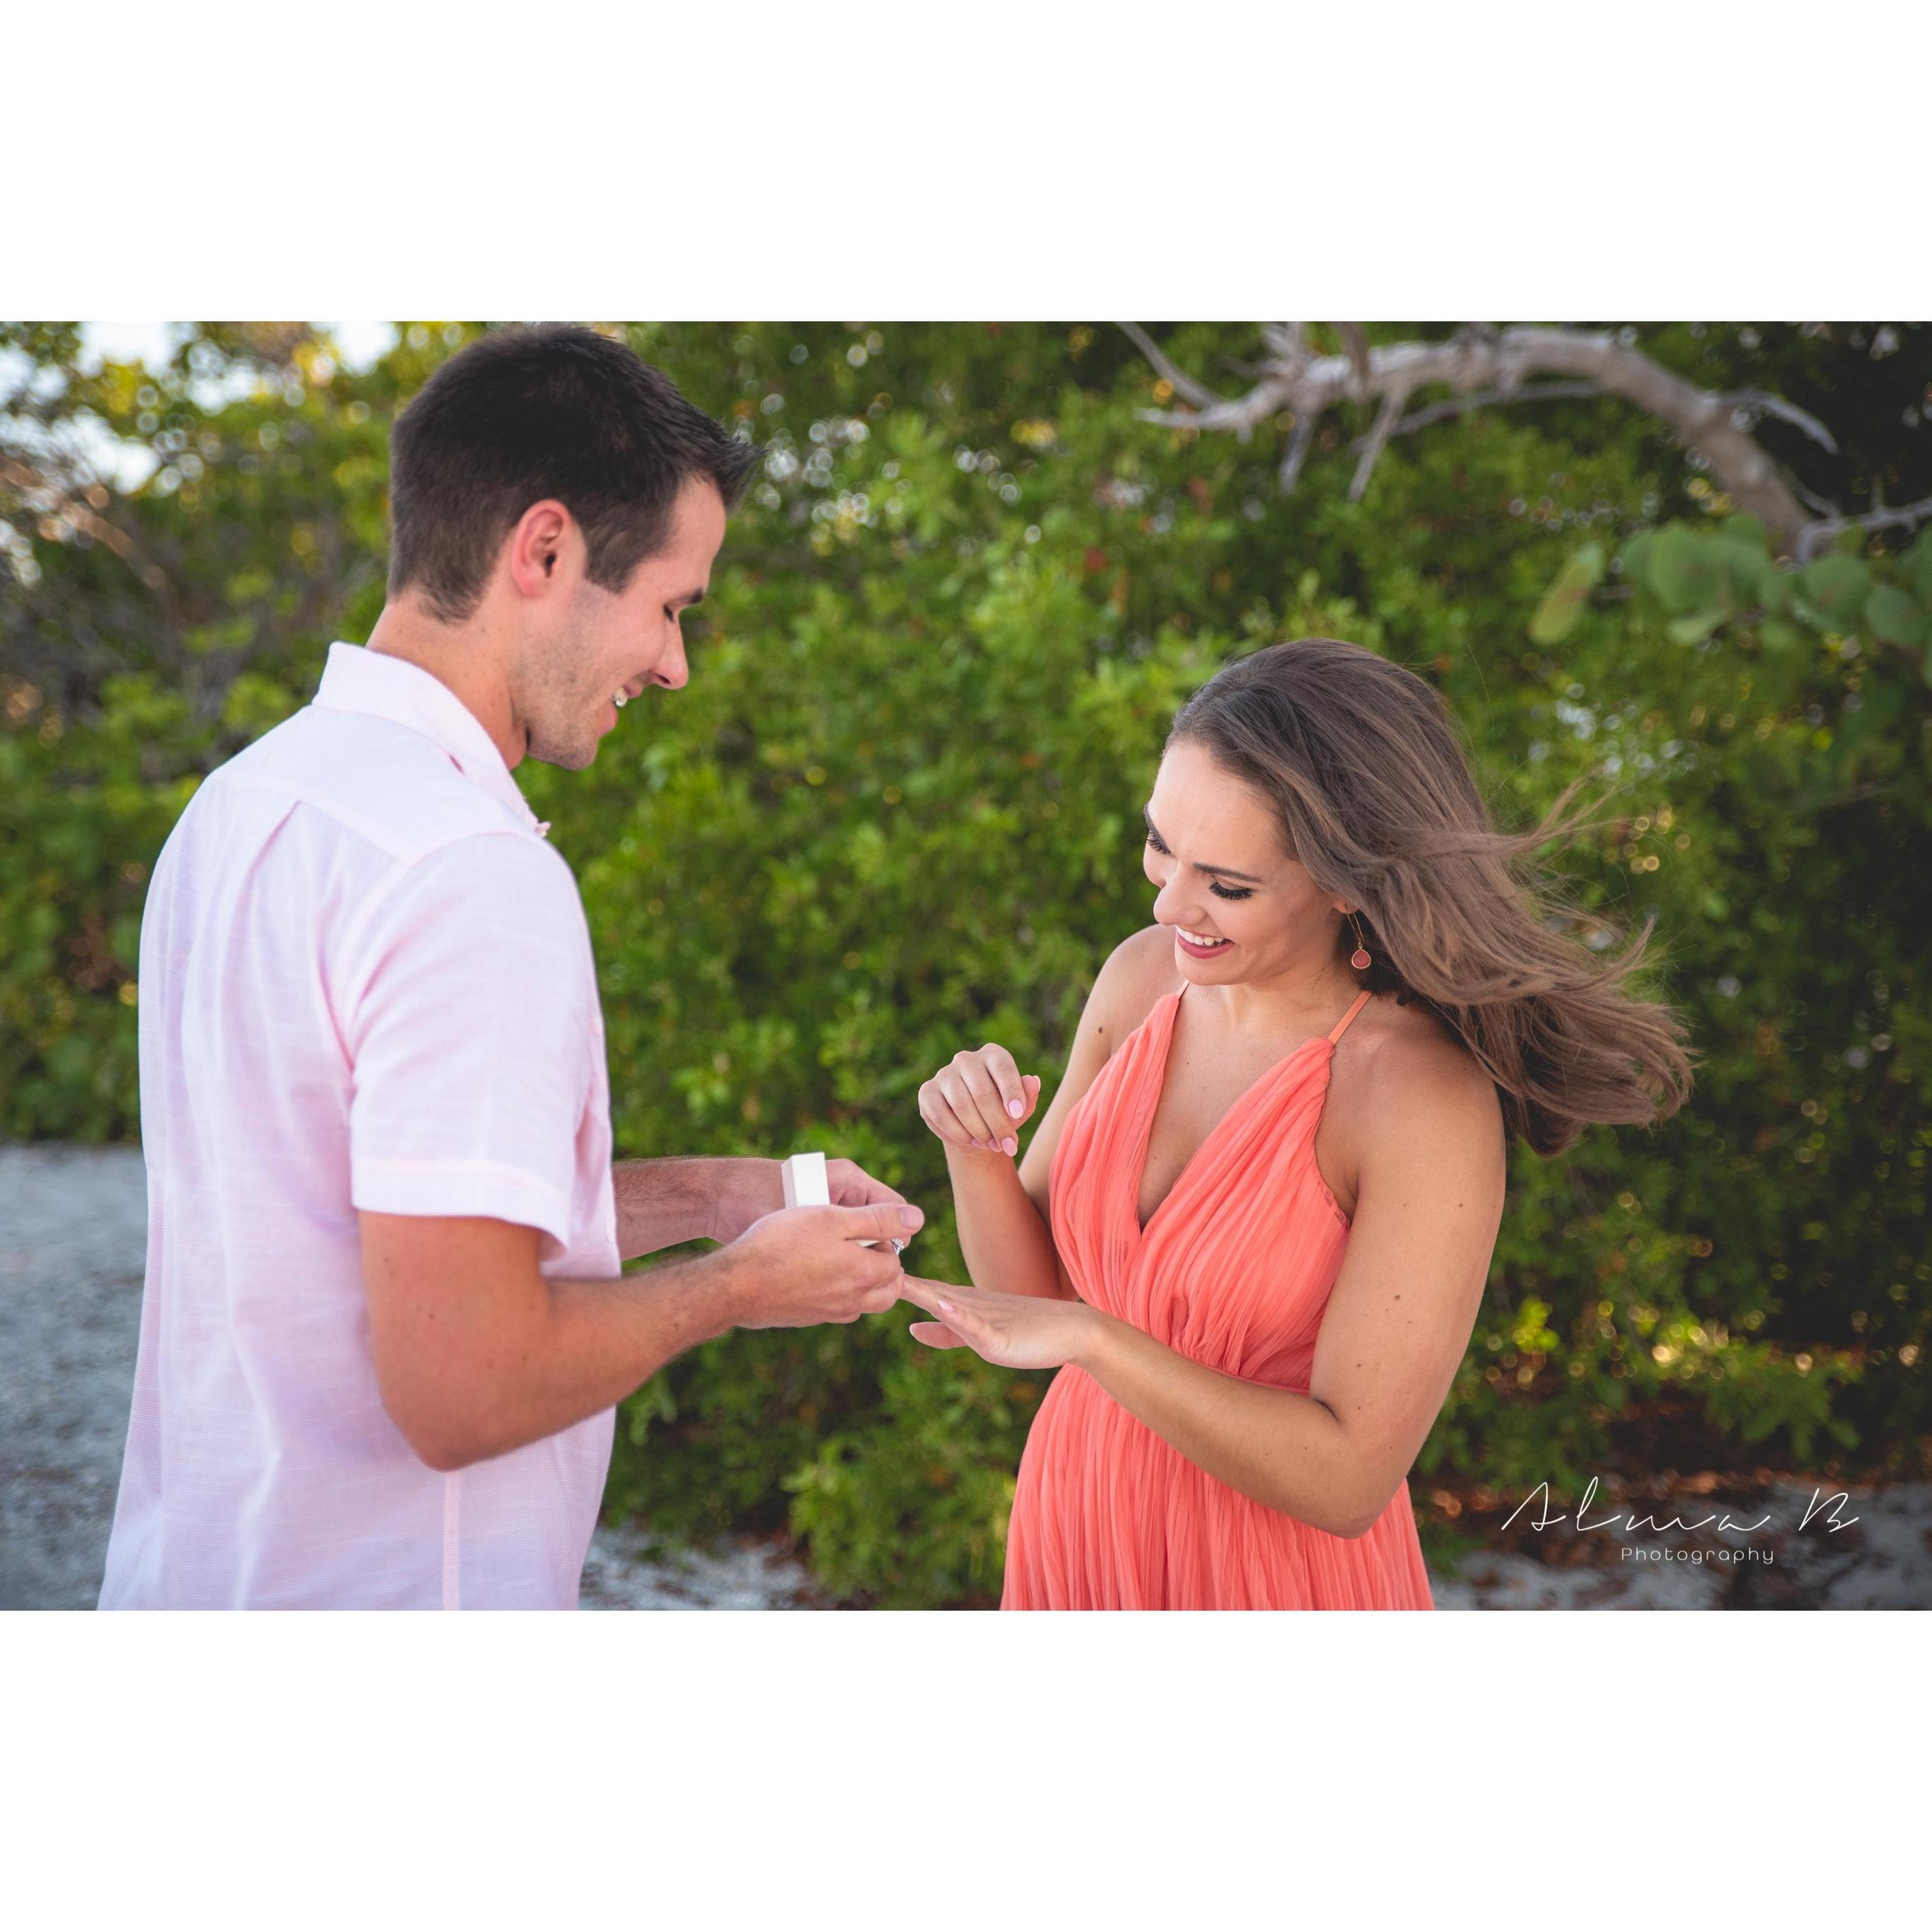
<point x="536" y="545"/>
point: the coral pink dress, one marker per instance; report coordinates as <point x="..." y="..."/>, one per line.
<point x="1234" y="1270"/>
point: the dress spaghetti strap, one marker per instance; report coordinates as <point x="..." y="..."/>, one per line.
<point x="1342" y="1024"/>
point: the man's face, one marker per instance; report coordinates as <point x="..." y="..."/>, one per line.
<point x="596" y="646"/>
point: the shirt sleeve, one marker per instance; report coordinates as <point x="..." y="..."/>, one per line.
<point x="471" y="1037"/>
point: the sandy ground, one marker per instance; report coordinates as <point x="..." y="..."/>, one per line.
<point x="73" y="1230"/>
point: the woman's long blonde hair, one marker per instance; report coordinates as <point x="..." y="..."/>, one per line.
<point x="1362" y="761"/>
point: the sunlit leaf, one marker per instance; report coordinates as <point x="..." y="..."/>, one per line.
<point x="1563" y="603"/>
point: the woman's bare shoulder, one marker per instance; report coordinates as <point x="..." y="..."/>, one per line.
<point x="1407" y="1056"/>
<point x="1405" y="1090"/>
<point x="1137" y="973"/>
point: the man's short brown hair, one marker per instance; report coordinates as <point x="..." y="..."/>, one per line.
<point x="557" y="411"/>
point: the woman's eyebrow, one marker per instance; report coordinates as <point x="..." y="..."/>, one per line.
<point x="1220" y="871"/>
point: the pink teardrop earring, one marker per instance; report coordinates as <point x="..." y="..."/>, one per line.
<point x="1359" y="958"/>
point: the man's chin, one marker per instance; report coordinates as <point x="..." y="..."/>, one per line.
<point x="567" y="757"/>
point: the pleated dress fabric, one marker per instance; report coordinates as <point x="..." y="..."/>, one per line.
<point x="1234" y="1270"/>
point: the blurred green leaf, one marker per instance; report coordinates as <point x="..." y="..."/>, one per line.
<point x="1564" y="601"/>
<point x="1685" y="573"/>
<point x="1695" y="628"/>
<point x="1895" y="616"/>
<point x="1838" y="586"/>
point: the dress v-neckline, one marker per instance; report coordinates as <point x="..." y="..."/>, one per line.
<point x="1140" y="1227"/>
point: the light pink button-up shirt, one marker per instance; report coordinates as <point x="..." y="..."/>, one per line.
<point x="366" y="982"/>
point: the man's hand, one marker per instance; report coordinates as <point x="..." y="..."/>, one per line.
<point x="804" y="1265"/>
<point x="749" y="1189"/>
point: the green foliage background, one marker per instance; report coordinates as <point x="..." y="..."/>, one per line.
<point x="895" y="813"/>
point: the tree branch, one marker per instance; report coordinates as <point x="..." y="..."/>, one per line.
<point x="1500" y="361"/>
<point x="1184" y="385"/>
<point x="1813" y="501"/>
<point x="1355" y="343"/>
<point x="1299" y="445"/>
<point x="1456" y="406"/>
<point x="1288" y="340"/>
<point x="1376" y="441"/>
<point x="1769" y="405"/>
<point x="1814" y="536"/>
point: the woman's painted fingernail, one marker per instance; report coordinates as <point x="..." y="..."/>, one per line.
<point x="1016" y="1108"/>
<point x="1009" y="1145"/>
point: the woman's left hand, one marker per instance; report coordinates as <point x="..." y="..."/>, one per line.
<point x="1016" y="1331"/>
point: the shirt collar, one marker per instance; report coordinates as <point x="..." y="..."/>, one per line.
<point x="357" y="679"/>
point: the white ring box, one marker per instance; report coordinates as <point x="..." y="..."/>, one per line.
<point x="802" y="1176"/>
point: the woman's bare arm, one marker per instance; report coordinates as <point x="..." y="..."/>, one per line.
<point x="1004" y="1214"/>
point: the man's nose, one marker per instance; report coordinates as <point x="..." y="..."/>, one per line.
<point x="673" y="672"/>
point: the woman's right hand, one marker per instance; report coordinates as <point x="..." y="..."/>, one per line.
<point x="978" y="1099"/>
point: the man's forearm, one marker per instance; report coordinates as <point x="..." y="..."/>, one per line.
<point x="596" y="1343"/>
<point x="663" y="1203"/>
<point x="477" y="1352"/>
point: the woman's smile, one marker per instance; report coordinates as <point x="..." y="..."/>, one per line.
<point x="1198" y="945"/>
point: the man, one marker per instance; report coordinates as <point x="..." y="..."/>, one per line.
<point x="384" y="1323"/>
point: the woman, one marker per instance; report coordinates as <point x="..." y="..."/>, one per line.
<point x="1253" y="1228"/>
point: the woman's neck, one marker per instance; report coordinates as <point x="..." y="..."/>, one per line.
<point x="1309" y="999"/>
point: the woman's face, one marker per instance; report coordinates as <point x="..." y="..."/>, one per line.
<point x="1240" y="908"/>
